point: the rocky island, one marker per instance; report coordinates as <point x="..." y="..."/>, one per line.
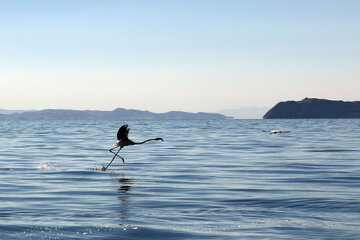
<point x="314" y="108"/>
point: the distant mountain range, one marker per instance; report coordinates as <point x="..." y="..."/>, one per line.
<point x="117" y="114"/>
<point x="315" y="108"/>
<point x="4" y="111"/>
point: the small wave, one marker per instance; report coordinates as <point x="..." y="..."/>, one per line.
<point x="331" y="150"/>
<point x="6" y="169"/>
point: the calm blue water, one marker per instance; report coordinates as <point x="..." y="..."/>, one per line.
<point x="208" y="180"/>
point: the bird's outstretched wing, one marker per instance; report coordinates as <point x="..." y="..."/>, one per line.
<point x="123" y="131"/>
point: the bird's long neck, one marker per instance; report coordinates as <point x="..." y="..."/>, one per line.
<point x="146" y="141"/>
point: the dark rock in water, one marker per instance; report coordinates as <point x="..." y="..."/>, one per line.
<point x="314" y="108"/>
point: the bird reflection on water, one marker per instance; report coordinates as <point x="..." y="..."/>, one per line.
<point x="123" y="182"/>
<point x="124" y="186"/>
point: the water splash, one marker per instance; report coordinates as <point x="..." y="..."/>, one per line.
<point x="100" y="168"/>
<point x="44" y="166"/>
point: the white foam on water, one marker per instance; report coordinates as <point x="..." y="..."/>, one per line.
<point x="100" y="168"/>
<point x="44" y="166"/>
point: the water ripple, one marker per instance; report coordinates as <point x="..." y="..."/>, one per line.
<point x="208" y="180"/>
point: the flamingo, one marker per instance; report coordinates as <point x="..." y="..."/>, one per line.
<point x="123" y="140"/>
<point x="276" y="131"/>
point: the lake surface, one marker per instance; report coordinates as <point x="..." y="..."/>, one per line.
<point x="219" y="179"/>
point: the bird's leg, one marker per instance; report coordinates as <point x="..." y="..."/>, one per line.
<point x="116" y="154"/>
<point x="112" y="160"/>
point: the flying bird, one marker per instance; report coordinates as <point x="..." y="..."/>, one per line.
<point x="276" y="131"/>
<point x="123" y="140"/>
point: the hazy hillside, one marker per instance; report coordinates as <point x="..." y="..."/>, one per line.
<point x="4" y="111"/>
<point x="117" y="114"/>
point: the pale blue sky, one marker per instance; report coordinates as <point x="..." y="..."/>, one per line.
<point x="176" y="55"/>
